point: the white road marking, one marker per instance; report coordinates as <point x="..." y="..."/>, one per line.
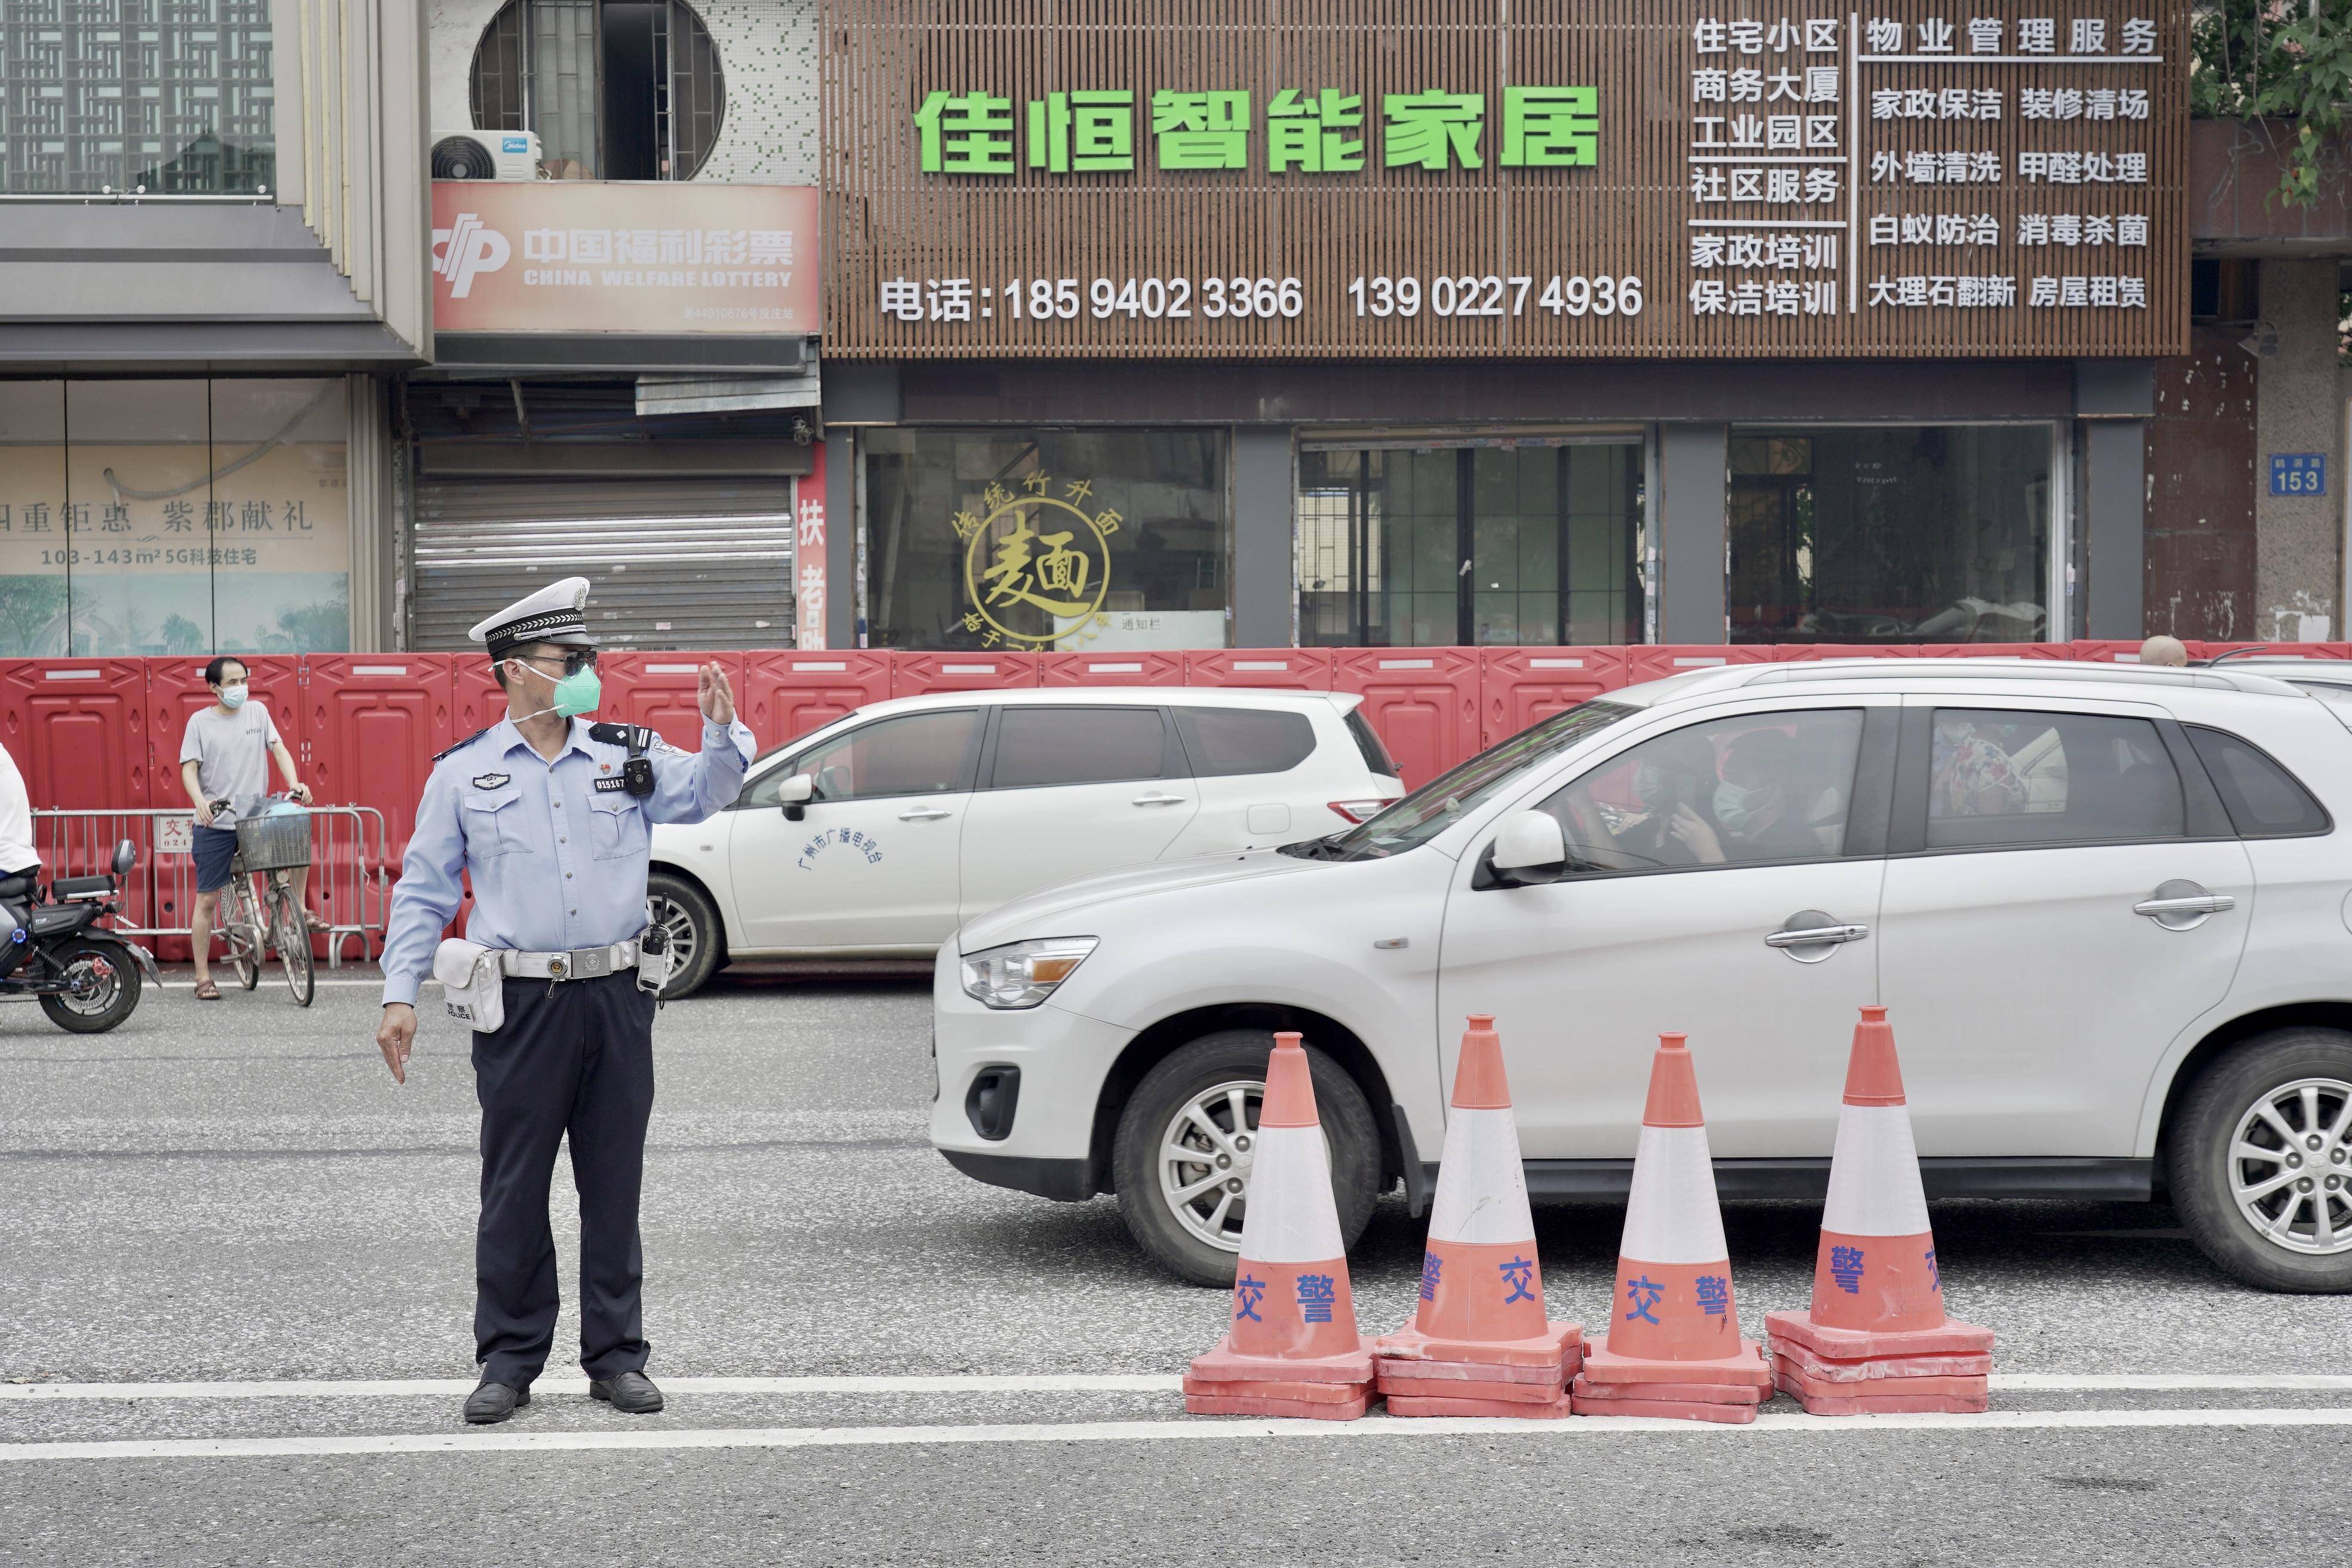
<point x="1215" y="1430"/>
<point x="1034" y="1382"/>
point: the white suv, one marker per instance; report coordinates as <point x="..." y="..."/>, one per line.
<point x="2106" y="905"/>
<point x="874" y="836"/>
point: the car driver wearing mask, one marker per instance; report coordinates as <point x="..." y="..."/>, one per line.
<point x="1766" y="807"/>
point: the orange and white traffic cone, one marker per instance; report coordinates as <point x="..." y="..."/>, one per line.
<point x="1876" y="1337"/>
<point x="1674" y="1322"/>
<point x="1291" y="1347"/>
<point x="1480" y="1344"/>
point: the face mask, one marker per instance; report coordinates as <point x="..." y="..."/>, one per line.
<point x="232" y="697"/>
<point x="575" y="694"/>
<point x="1735" y="805"/>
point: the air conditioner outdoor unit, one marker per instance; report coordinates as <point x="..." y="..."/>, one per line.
<point x="484" y="155"/>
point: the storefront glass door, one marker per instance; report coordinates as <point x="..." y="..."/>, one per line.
<point x="1528" y="542"/>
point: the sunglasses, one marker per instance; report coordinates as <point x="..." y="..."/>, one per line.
<point x="574" y="662"/>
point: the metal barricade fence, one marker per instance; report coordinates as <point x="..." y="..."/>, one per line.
<point x="350" y="879"/>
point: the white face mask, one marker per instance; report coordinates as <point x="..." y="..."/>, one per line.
<point x="233" y="695"/>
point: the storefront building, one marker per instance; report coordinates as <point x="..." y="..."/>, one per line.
<point x="215" y="267"/>
<point x="1648" y="320"/>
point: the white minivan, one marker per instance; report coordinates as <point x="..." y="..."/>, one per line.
<point x="874" y="837"/>
<point x="2104" y="905"/>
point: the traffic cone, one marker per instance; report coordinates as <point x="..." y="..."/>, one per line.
<point x="1291" y="1347"/>
<point x="1674" y="1322"/>
<point x="1479" y="1342"/>
<point x="1875" y="1337"/>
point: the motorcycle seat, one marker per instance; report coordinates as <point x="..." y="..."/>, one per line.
<point x="13" y="888"/>
<point x="70" y="887"/>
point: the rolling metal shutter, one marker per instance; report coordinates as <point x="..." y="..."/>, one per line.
<point x="677" y="562"/>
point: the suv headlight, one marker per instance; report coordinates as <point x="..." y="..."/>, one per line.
<point x="1022" y="974"/>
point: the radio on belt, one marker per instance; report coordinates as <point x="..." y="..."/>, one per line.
<point x="637" y="772"/>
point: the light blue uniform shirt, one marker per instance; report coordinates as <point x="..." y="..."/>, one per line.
<point x="557" y="850"/>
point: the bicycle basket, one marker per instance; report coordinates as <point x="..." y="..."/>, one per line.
<point x="277" y="843"/>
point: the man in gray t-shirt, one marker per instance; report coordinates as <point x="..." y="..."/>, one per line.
<point x="225" y="756"/>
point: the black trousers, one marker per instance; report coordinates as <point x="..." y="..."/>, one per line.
<point x="577" y="1058"/>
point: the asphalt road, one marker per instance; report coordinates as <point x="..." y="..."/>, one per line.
<point x="874" y="1359"/>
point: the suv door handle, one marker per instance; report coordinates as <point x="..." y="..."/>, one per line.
<point x="2181" y="905"/>
<point x="924" y="814"/>
<point x="1813" y="935"/>
<point x="1159" y="800"/>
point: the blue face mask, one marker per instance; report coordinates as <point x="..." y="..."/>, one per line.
<point x="232" y="697"/>
<point x="1735" y="805"/>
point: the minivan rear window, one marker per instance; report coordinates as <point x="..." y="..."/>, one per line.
<point x="1228" y="741"/>
<point x="1367" y="742"/>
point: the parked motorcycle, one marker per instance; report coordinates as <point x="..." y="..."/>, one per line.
<point x="86" y="976"/>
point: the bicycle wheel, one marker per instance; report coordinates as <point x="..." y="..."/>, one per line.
<point x="293" y="941"/>
<point x="241" y="934"/>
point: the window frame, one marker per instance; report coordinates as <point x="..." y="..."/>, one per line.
<point x="1867" y="811"/>
<point x="826" y="740"/>
<point x="1174" y="764"/>
<point x="2203" y="819"/>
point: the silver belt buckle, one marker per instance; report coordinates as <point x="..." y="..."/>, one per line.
<point x="588" y="962"/>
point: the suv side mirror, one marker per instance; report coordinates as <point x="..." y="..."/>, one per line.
<point x="1529" y="850"/>
<point x="794" y="794"/>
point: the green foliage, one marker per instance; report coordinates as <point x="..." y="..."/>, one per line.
<point x="2276" y="59"/>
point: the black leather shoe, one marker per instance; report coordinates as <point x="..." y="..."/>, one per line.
<point x="632" y="1394"/>
<point x="493" y="1403"/>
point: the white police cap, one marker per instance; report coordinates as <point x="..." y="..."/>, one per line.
<point x="556" y="614"/>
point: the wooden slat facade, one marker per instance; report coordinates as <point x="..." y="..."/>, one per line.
<point x="1628" y="215"/>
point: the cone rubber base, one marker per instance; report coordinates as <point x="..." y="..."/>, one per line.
<point x="1305" y="1393"/>
<point x="1551" y="1349"/>
<point x="1224" y="1364"/>
<point x="1460" y="1371"/>
<point x="1555" y="1409"/>
<point x="1396" y="1388"/>
<point x="1306" y="1409"/>
<point x="1954" y="1338"/>
<point x="1747" y="1368"/>
<point x="1825" y="1370"/>
<point x="1689" y="1392"/>
<point x="1666" y="1409"/>
<point x="1790" y="1379"/>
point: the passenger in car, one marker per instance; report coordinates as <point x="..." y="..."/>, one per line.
<point x="1774" y="802"/>
<point x="1973" y="774"/>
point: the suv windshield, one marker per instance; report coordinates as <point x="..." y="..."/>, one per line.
<point x="1432" y="808"/>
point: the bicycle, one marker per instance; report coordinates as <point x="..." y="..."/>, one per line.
<point x="269" y="848"/>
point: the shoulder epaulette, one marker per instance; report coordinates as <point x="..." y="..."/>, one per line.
<point x="466" y="742"/>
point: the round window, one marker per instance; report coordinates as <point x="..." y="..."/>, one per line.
<point x="616" y="90"/>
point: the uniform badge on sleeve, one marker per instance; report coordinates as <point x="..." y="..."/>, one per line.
<point x="491" y="781"/>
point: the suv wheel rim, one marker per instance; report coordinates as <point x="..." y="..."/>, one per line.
<point x="1204" y="1159"/>
<point x="678" y="927"/>
<point x="2290" y="1165"/>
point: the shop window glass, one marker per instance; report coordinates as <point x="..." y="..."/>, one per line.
<point x="1532" y="543"/>
<point x="172" y="95"/>
<point x="1911" y="534"/>
<point x="1051" y="540"/>
<point x="173" y="517"/>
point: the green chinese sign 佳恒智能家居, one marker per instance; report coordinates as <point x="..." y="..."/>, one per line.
<point x="1319" y="133"/>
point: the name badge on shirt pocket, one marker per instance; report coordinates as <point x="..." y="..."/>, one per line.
<point x="493" y="828"/>
<point x="618" y="824"/>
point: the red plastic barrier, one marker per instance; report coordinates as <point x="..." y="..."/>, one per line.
<point x="1519" y="686"/>
<point x="1289" y="669"/>
<point x="2097" y="651"/>
<point x="371" y="723"/>
<point x="77" y="730"/>
<point x="660" y="691"/>
<point x="1996" y="650"/>
<point x="1804" y="652"/>
<point x="1659" y="660"/>
<point x="2277" y="649"/>
<point x="1423" y="701"/>
<point x="787" y="695"/>
<point x="476" y="701"/>
<point x="914" y="674"/>
<point x="1120" y="667"/>
<point x="175" y="688"/>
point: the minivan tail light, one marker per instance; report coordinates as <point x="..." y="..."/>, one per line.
<point x="1362" y="811"/>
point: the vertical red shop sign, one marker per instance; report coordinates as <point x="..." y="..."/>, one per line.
<point x="810" y="560"/>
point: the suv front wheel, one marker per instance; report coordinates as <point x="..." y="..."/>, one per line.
<point x="1180" y="1158"/>
<point x="2261" y="1160"/>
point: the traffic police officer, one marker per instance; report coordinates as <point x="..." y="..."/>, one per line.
<point x="549" y="822"/>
